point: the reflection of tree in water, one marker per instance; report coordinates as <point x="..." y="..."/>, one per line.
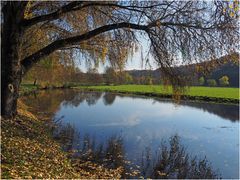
<point x="171" y="161"/>
<point x="74" y="101"/>
<point x="109" y="98"/>
<point x="174" y="162"/>
<point x="109" y="154"/>
<point x="226" y="111"/>
<point x="90" y="97"/>
<point x="66" y="136"/>
<point x="50" y="100"/>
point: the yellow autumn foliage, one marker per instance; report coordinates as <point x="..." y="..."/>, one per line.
<point x="27" y="13"/>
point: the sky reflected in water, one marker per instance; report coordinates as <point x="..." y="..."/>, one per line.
<point x="210" y="130"/>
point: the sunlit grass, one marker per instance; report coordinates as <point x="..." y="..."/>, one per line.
<point x="216" y="92"/>
<point x="194" y="91"/>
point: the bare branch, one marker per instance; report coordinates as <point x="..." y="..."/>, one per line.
<point x="78" y="5"/>
<point x="67" y="8"/>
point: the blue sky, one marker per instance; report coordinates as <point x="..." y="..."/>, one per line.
<point x="134" y="62"/>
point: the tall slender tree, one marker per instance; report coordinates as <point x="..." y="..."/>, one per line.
<point x="187" y="30"/>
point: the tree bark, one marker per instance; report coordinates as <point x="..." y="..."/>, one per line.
<point x="10" y="62"/>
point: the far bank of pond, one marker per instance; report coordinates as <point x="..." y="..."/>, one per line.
<point x="196" y="93"/>
<point x="208" y="94"/>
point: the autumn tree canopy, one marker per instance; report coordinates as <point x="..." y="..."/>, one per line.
<point x="185" y="31"/>
<point x="176" y="30"/>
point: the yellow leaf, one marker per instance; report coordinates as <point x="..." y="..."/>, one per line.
<point x="232" y="14"/>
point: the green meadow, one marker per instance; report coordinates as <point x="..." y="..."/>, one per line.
<point x="196" y="91"/>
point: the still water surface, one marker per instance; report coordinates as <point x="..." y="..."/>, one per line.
<point x="210" y="130"/>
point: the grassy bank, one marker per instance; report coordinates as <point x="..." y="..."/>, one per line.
<point x="27" y="88"/>
<point x="209" y="94"/>
<point x="29" y="151"/>
<point x="215" y="94"/>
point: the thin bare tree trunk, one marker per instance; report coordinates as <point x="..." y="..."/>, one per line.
<point x="35" y="82"/>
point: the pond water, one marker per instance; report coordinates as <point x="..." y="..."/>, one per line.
<point x="206" y="130"/>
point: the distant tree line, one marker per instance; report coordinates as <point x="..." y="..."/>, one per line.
<point x="223" y="81"/>
<point x="55" y="74"/>
<point x="52" y="73"/>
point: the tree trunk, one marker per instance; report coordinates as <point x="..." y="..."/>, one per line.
<point x="35" y="82"/>
<point x="10" y="62"/>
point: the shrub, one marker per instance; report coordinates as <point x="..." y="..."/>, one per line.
<point x="211" y="82"/>
<point x="224" y="81"/>
<point x="201" y="81"/>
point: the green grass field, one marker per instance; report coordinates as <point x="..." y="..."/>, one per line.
<point x="212" y="92"/>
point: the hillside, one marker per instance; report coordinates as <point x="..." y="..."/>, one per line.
<point x="225" y="67"/>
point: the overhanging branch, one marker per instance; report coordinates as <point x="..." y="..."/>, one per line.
<point x="51" y="16"/>
<point x="78" y="5"/>
<point x="29" y="61"/>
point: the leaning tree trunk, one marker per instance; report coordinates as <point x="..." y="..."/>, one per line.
<point x="10" y="62"/>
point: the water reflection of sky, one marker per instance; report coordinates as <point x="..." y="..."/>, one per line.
<point x="145" y="122"/>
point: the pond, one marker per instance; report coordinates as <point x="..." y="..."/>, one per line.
<point x="205" y="130"/>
